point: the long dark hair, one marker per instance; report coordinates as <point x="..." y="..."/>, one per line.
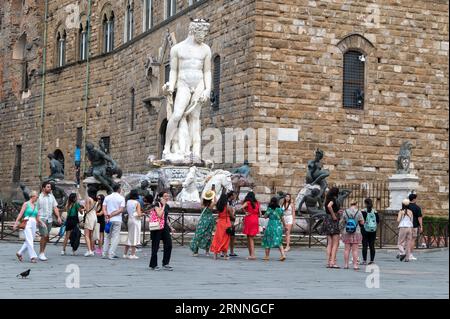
<point x="332" y="194"/>
<point x="100" y="202"/>
<point x="72" y="199"/>
<point x="273" y="203"/>
<point x="284" y="201"/>
<point x="206" y="202"/>
<point x="369" y="204"/>
<point x="250" y="197"/>
<point x="222" y="202"/>
<point x="134" y="194"/>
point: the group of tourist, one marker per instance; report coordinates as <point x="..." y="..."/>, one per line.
<point x="280" y="220"/>
<point x="98" y="211"/>
<point x="352" y="226"/>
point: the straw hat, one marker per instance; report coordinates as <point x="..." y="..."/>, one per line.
<point x="209" y="195"/>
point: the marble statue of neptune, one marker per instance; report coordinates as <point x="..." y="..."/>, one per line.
<point x="190" y="77"/>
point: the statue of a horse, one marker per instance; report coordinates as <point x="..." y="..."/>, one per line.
<point x="222" y="181"/>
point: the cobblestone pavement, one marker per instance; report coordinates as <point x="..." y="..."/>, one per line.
<point x="302" y="275"/>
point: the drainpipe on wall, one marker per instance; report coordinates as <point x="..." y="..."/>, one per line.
<point x="86" y="87"/>
<point x="44" y="71"/>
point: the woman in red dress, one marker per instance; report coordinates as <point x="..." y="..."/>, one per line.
<point x="251" y="222"/>
<point x="221" y="239"/>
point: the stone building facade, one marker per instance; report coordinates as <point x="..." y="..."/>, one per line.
<point x="281" y="65"/>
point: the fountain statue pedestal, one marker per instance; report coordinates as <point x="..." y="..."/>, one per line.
<point x="171" y="175"/>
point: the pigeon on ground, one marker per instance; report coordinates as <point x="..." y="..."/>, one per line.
<point x="24" y="274"/>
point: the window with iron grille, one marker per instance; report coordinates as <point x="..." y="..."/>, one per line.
<point x="104" y="144"/>
<point x="79" y="137"/>
<point x="215" y="97"/>
<point x="353" y="88"/>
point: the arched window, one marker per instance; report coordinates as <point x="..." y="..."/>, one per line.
<point x="129" y="23"/>
<point x="108" y="32"/>
<point x="148" y="15"/>
<point x="353" y="86"/>
<point x="215" y="96"/>
<point x="61" y="51"/>
<point x="83" y="45"/>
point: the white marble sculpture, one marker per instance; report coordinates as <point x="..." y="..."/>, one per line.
<point x="221" y="180"/>
<point x="190" y="75"/>
<point x="189" y="193"/>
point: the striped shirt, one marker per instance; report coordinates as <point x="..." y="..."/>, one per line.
<point x="47" y="204"/>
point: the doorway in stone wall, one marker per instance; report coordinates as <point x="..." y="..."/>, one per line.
<point x="162" y="137"/>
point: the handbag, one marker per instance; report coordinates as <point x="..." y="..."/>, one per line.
<point x="155" y="223"/>
<point x="229" y="230"/>
<point x="108" y="227"/>
<point x="23" y="224"/>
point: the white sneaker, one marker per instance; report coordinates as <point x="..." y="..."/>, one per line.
<point x="88" y="253"/>
<point x="411" y="257"/>
<point x="126" y="257"/>
<point x="42" y="257"/>
<point x="74" y="253"/>
<point x="63" y="252"/>
<point x="133" y="257"/>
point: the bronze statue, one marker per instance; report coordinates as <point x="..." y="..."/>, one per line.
<point x="56" y="168"/>
<point x="316" y="175"/>
<point x="103" y="167"/>
<point x="404" y="158"/>
<point x="313" y="202"/>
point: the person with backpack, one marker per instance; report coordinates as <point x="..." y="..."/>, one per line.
<point x="369" y="231"/>
<point x="351" y="233"/>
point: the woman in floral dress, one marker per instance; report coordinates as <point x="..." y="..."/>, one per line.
<point x="203" y="234"/>
<point x="273" y="235"/>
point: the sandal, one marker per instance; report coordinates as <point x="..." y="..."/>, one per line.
<point x="335" y="267"/>
<point x="357" y="268"/>
<point x="282" y="258"/>
<point x="20" y="257"/>
<point x="266" y="258"/>
<point x="34" y="260"/>
<point x="251" y="258"/>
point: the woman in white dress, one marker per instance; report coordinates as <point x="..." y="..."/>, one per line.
<point x="134" y="224"/>
<point x="289" y="218"/>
